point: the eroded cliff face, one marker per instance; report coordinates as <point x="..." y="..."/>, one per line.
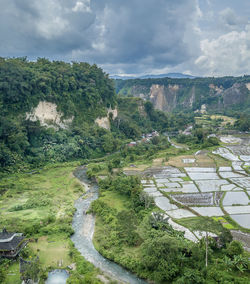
<point x="248" y="86"/>
<point x="164" y="98"/>
<point x="169" y="97"/>
<point x="237" y="94"/>
<point x="157" y="96"/>
<point x="47" y="114"/>
<point x="104" y="121"/>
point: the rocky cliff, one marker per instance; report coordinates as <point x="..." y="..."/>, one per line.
<point x="190" y="94"/>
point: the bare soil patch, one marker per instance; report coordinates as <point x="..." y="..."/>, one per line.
<point x="202" y="160"/>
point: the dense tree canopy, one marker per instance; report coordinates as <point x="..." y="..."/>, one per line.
<point x="79" y="90"/>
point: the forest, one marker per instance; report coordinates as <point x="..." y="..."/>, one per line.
<point x="79" y="90"/>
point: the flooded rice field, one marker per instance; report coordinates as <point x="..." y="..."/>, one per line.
<point x="242" y="219"/>
<point x="199" y="186"/>
<point x="211" y="185"/>
<point x="208" y="211"/>
<point x="235" y="198"/>
<point x="198" y="199"/>
<point x="241" y="182"/>
<point x="201" y="189"/>
<point x="189" y="189"/>
<point x="237" y="209"/>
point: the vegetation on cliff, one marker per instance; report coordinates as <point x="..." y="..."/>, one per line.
<point x="218" y="94"/>
<point x="79" y="91"/>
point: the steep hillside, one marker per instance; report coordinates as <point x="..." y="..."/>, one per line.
<point x="48" y="111"/>
<point x="56" y="111"/>
<point x="212" y="94"/>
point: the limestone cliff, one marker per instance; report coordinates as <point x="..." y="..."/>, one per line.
<point x="47" y="114"/>
<point x="104" y="121"/>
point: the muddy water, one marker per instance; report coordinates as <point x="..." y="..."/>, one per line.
<point x="84" y="225"/>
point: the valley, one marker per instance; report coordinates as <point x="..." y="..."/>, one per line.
<point x="124" y="142"/>
<point x="108" y="187"/>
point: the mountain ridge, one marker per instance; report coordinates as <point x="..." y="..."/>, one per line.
<point x="147" y="76"/>
<point x="178" y="94"/>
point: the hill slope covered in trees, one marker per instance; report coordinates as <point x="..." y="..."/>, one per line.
<point x="48" y="112"/>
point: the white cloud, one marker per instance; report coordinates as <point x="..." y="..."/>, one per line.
<point x="82" y="6"/>
<point x="229" y="54"/>
<point x="202" y="36"/>
<point x="51" y="28"/>
<point x="51" y="22"/>
<point x="198" y="10"/>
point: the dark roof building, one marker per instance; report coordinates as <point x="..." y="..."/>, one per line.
<point x="11" y="243"/>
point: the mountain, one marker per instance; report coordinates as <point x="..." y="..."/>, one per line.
<point x="168" y="75"/>
<point x="119" y="77"/>
<point x="178" y="94"/>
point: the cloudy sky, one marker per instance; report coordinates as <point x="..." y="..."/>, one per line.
<point x="199" y="37"/>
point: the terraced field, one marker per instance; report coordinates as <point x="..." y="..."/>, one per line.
<point x="214" y="191"/>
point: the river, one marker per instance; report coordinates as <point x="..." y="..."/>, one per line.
<point x="84" y="226"/>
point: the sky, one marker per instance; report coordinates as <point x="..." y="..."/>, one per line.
<point x="198" y="37"/>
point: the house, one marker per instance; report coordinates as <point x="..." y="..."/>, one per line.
<point x="11" y="244"/>
<point x="132" y="144"/>
<point x="155" y="133"/>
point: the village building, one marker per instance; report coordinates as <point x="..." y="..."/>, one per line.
<point x="132" y="144"/>
<point x="11" y="244"/>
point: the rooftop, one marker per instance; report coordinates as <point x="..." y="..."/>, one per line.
<point x="9" y="240"/>
<point x="12" y="245"/>
<point x="5" y="236"/>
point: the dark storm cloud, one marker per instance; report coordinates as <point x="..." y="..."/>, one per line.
<point x="43" y="28"/>
<point x="144" y="33"/>
<point x="134" y="34"/>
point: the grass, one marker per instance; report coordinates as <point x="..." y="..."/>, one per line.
<point x="201" y="224"/>
<point x="186" y="179"/>
<point x="220" y="161"/>
<point x="173" y="140"/>
<point x="157" y="160"/>
<point x="49" y="194"/>
<point x="226" y="119"/>
<point x="102" y="231"/>
<point x="139" y="167"/>
<point x="200" y="161"/>
<point x="115" y="200"/>
<point x="51" y="251"/>
<point x="35" y="190"/>
<point x="225" y="223"/>
<point x="13" y="275"/>
<point x="211" y="121"/>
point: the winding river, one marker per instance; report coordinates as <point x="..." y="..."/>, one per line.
<point x="84" y="225"/>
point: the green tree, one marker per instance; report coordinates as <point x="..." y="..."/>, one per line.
<point x="234" y="248"/>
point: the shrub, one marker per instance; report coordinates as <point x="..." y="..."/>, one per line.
<point x="234" y="248"/>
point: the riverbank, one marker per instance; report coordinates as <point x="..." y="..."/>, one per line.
<point x="40" y="204"/>
<point x="84" y="226"/>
